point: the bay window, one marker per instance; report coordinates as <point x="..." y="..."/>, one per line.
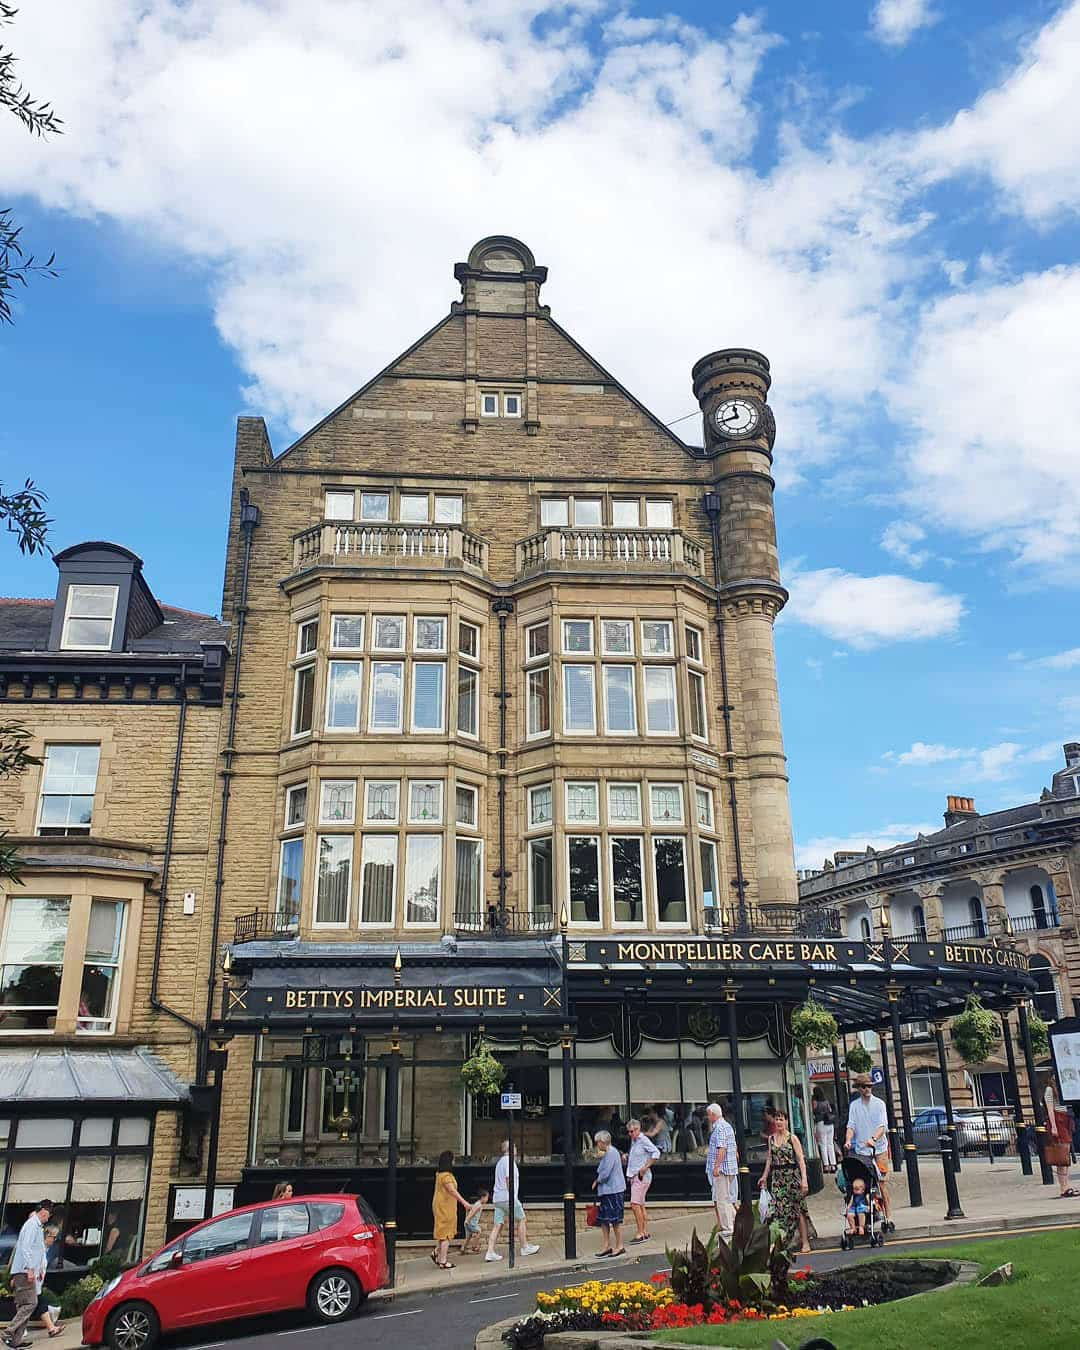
<point x="343" y="686"/>
<point x="469" y="896"/>
<point x="709" y="898"/>
<point x="661" y="718"/>
<point x="699" y="726"/>
<point x="539" y="806"/>
<point x="428" y="701"/>
<point x="583" y="878"/>
<point x="101" y="967"/>
<point x="337" y="802"/>
<point x="295" y="806"/>
<point x="423" y="866"/>
<point x="32" y="961"/>
<point x="378" y="874"/>
<point x="466" y="811"/>
<point x="620" y="703"/>
<point x="387" y="679"/>
<point x="541" y="881"/>
<point x="582" y="804"/>
<point x="624" y="803"/>
<point x="347" y="632"/>
<point x="669" y="878"/>
<point x="579" y="700"/>
<point x="425" y="802"/>
<point x="656" y="637"/>
<point x="303" y="700"/>
<point x="333" y="880"/>
<point x="538" y="701"/>
<point x="627" y="880"/>
<point x="290" y="870"/>
<point x="704" y="801"/>
<point x="381" y="802"/>
<point x="665" y="803"/>
<point x="467" y="700"/>
<point x="389" y="633"/>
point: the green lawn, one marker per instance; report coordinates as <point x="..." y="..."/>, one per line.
<point x="1040" y="1308"/>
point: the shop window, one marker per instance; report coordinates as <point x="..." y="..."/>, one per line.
<point x="425" y="803"/>
<point x="423" y="867"/>
<point x="35" y="931"/>
<point x="469" y="896"/>
<point x="624" y="804"/>
<point x="333" y="881"/>
<point x="89" y="618"/>
<point x="428" y="695"/>
<point x="539" y="806"/>
<point x="387" y="679"/>
<point x="541" y="880"/>
<point x="582" y="804"/>
<point x="295" y="806"/>
<point x="374" y="506"/>
<point x="709" y="897"/>
<point x="347" y="632"/>
<point x="101" y="967"/>
<point x="223" y="1238"/>
<point x="583" y="872"/>
<point x="579" y="700"/>
<point x="389" y="633"/>
<point x="338" y="506"/>
<point x="133" y="1130"/>
<point x="669" y="876"/>
<point x="381" y="802"/>
<point x="620" y="703"/>
<point x="378" y="872"/>
<point x="68" y="784"/>
<point x="627" y="880"/>
<point x="343" y="686"/>
<point x="660" y="715"/>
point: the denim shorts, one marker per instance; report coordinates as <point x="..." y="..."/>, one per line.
<point x="500" y="1212"/>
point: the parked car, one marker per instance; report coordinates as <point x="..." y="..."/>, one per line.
<point x="976" y="1131"/>
<point x="322" y="1252"/>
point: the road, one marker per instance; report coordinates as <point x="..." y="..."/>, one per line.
<point x="449" y="1319"/>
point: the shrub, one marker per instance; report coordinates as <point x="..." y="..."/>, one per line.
<point x="752" y="1267"/>
<point x="77" y="1297"/>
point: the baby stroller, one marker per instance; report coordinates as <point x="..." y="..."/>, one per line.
<point x="854" y="1169"/>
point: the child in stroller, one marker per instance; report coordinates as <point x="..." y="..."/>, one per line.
<point x="859" y="1182"/>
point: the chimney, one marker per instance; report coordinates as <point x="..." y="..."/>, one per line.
<point x="1072" y="754"/>
<point x="958" y="809"/>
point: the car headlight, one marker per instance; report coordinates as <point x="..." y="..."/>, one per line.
<point x="107" y="1288"/>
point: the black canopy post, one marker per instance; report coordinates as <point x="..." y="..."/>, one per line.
<point x="911" y="1157"/>
<point x="393" y="1076"/>
<point x="1037" y="1111"/>
<point x="950" y="1119"/>
<point x="842" y="1098"/>
<point x="890" y="1109"/>
<point x="737" y="1098"/>
<point x="1022" y="1146"/>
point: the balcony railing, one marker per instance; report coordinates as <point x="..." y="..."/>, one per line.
<point x="348" y="544"/>
<point x="495" y="922"/>
<point x="964" y="931"/>
<point x="1034" y="923"/>
<point x="794" y="919"/>
<point x="265" y="924"/>
<point x="920" y="935"/>
<point x="619" y="550"/>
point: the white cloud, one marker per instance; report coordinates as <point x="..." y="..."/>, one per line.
<point x="989" y="765"/>
<point x="893" y="22"/>
<point x="869" y="611"/>
<point x="899" y="538"/>
<point x="814" y="851"/>
<point x="1067" y="660"/>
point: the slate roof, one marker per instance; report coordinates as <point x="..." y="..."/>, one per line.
<point x="95" y="1076"/>
<point x="25" y="624"/>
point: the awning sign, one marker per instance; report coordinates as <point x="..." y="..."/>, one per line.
<point x="398" y="1003"/>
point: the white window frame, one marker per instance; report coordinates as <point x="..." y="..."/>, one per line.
<point x="376" y="519"/>
<point x="531" y="673"/>
<point x="704" y="794"/>
<point x="279" y="907"/>
<point x="391" y="922"/>
<point x="710" y="845"/>
<point x="509" y="394"/>
<point x="635" y="502"/>
<point x="474" y="795"/>
<point x="567" y="667"/>
<point x="290" y="793"/>
<point x="619" y="837"/>
<point x="669" y="651"/>
<point x="590" y="650"/>
<point x="588" y="525"/>
<point x="459" y="513"/>
<point x="473" y="733"/>
<point x="418" y="619"/>
<point x="342" y="493"/>
<point x="49" y="1009"/>
<point x="605" y="671"/>
<point x="117" y="966"/>
<point x="302" y="627"/>
<point x="694" y="637"/>
<point x="554" y="524"/>
<point x="436" y="783"/>
<point x="548" y="839"/>
<point x="698" y="695"/>
<point x="335" y="646"/>
<point x="325" y="783"/>
<point x="540" y="824"/>
<point x="659" y="820"/>
<point x="462" y="650"/>
<point x="665" y="502"/>
<point x="406" y="494"/>
<point x="605" y="650"/>
<point x="531" y="628"/>
<point x="485" y="396"/>
<point x="72" y="589"/>
<point x="402" y="619"/>
<point x="395" y="730"/>
<point x="347" y="730"/>
<point x="370" y="783"/>
<point x="440" y="728"/>
<point x="476" y="842"/>
<point x="619" y="822"/>
<point x="436" y="922"/>
<point x="299" y="671"/>
<point x="572" y="822"/>
<point x="315" y="922"/>
<point x="42" y="794"/>
<point x="670" y="923"/>
<point x="598" y="841"/>
<point x="647" y="673"/>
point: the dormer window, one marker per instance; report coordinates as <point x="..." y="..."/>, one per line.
<point x="89" y="618"/>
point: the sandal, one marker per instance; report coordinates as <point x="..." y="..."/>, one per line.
<point x="55" y="1332"/>
<point x="446" y="1265"/>
<point x="643" y="1238"/>
<point x="1069" y="1194"/>
<point x="620" y="1252"/>
<point x="605" y="1252"/>
<point x="434" y="1257"/>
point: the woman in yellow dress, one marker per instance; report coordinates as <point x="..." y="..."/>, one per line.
<point x="444" y="1203"/>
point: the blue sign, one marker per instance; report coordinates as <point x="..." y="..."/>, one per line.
<point x="509" y="1101"/>
<point x="877" y="1075"/>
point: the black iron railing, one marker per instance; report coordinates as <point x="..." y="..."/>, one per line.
<point x="262" y="924"/>
<point x="964" y="931"/>
<point x="1034" y="923"/>
<point x="799" y="920"/>
<point x="920" y="935"/>
<point x="495" y="922"/>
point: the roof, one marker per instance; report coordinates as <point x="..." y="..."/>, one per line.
<point x="25" y="626"/>
<point x="123" y="1077"/>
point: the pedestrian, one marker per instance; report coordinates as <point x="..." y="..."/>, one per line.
<point x="1058" y="1146"/>
<point x="643" y="1153"/>
<point x="471" y="1242"/>
<point x="722" y="1169"/>
<point x="825" y="1130"/>
<point x="27" y="1262"/>
<point x="282" y="1191"/>
<point x="117" y="1238"/>
<point x="500" y="1196"/>
<point x="768" y="1122"/>
<point x="444" y="1202"/>
<point x="661" y="1134"/>
<point x="867" y="1134"/>
<point x="610" y="1188"/>
<point x="53" y="1328"/>
<point x="785" y="1165"/>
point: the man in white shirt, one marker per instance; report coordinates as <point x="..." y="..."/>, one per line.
<point x="500" y="1198"/>
<point x="643" y="1153"/>
<point x="868" y="1134"/>
<point x="27" y="1264"/>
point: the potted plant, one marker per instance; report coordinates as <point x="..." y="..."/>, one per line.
<point x="482" y="1073"/>
<point x="858" y="1059"/>
<point x="975" y="1032"/>
<point x="812" y="1027"/>
<point x="1039" y="1032"/>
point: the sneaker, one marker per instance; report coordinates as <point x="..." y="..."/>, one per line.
<point x="530" y="1249"/>
<point x="492" y="1256"/>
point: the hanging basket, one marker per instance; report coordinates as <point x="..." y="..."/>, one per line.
<point x="1039" y="1032"/>
<point x="976" y="1033"/>
<point x="482" y="1073"/>
<point x="858" y="1059"/>
<point x="812" y="1028"/>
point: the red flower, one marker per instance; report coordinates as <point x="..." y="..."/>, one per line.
<point x="658" y="1278"/>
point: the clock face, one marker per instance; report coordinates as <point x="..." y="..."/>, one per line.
<point x="737" y="417"/>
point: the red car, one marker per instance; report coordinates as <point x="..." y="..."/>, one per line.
<point x="322" y="1252"/>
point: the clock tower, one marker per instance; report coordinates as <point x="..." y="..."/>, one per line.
<point x="732" y="387"/>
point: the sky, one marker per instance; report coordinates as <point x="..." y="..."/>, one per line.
<point x="256" y="204"/>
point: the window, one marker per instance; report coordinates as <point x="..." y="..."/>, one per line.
<point x="224" y="1238"/>
<point x="555" y="511"/>
<point x="295" y="806"/>
<point x="656" y="637"/>
<point x="669" y="875"/>
<point x="347" y="632"/>
<point x="429" y="635"/>
<point x="289" y="873"/>
<point x="511" y="405"/>
<point x="864" y="929"/>
<point x="101" y="967"/>
<point x="428" y="702"/>
<point x="617" y="637"/>
<point x="665" y="803"/>
<point x="387" y="678"/>
<point x="1046" y="1001"/>
<point x="378" y="873"/>
<point x="89" y="618"/>
<point x="1044" y="916"/>
<point x="279" y="1223"/>
<point x="423" y="865"/>
<point x="467" y="703"/>
<point x="389" y="633"/>
<point x="620" y="704"/>
<point x="466" y="806"/>
<point x="704" y="805"/>
<point x="333" y="880"/>
<point x="926" y="1089"/>
<point x="583" y="877"/>
<point x="709" y="897"/>
<point x="978" y="919"/>
<point x="343" y="686"/>
<point x="660" y="715"/>
<point x="627" y="883"/>
<point x="338" y="506"/>
<point x="337" y="802"/>
<point x="624" y="804"/>
<point x="541" y="881"/>
<point x="579" y="700"/>
<point x="582" y="804"/>
<point x="626" y="513"/>
<point x="698" y="724"/>
<point x="694" y="643"/>
<point x="413" y="508"/>
<point x="35" y="931"/>
<point x="469" y="897"/>
<point x="469" y="640"/>
<point x="577" y="636"/>
<point x="68" y="784"/>
<point x="381" y="802"/>
<point x="659" y="515"/>
<point x="425" y="803"/>
<point x="489" y="405"/>
<point x="918" y="922"/>
<point x="539" y="806"/>
<point x="448" y="510"/>
<point x="588" y="512"/>
<point x="324" y="1215"/>
<point x="538" y="701"/>
<point x="537" y="641"/>
<point x="374" y="506"/>
<point x="303" y="700"/>
<point x="307" y="637"/>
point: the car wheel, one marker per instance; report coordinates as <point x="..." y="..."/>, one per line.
<point x="334" y="1295"/>
<point x="133" y="1326"/>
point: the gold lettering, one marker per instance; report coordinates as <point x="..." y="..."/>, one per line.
<point x="290" y="998"/>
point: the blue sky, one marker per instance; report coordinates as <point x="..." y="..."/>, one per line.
<point x="256" y="205"/>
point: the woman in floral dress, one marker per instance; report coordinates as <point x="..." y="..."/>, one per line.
<point x="785" y="1169"/>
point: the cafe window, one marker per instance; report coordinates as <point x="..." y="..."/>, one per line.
<point x="583" y="878"/>
<point x="35" y="931"/>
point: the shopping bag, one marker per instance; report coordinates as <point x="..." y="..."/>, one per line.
<point x="592" y="1216"/>
<point x="764" y="1204"/>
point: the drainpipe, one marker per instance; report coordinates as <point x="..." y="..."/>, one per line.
<point x="502" y="608"/>
<point x="711" y="503"/>
<point x="249" y="518"/>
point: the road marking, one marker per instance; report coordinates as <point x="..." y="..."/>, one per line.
<point x="296" y="1331"/>
<point x="495" y="1298"/>
<point x="381" y="1317"/>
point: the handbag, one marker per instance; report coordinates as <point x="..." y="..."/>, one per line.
<point x="592" y="1216"/>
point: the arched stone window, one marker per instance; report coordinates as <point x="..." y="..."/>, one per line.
<point x="1047" y="1000"/>
<point x="864" y="928"/>
<point x="918" y="923"/>
<point x="978" y="919"/>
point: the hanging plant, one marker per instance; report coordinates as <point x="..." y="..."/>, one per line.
<point x="976" y="1032"/>
<point x="812" y="1028"/>
<point x="482" y="1073"/>
<point x="858" y="1059"/>
<point x="1039" y="1032"/>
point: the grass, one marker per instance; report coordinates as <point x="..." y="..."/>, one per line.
<point x="1039" y="1308"/>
